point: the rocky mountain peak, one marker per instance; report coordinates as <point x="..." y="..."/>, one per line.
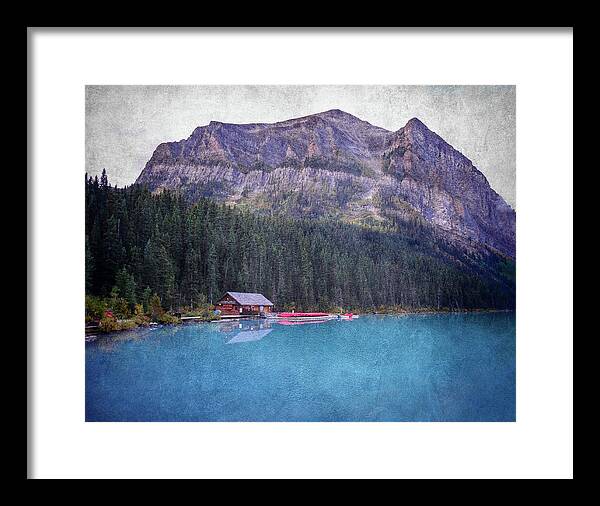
<point x="338" y="115"/>
<point x="333" y="164"/>
<point x="415" y="124"/>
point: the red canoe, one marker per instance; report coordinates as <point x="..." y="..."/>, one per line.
<point x="300" y="315"/>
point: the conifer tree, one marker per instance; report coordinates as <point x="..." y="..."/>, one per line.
<point x="126" y="286"/>
<point x="89" y="266"/>
<point x="185" y="253"/>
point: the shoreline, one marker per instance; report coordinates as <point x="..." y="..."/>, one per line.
<point x="439" y="311"/>
<point x="94" y="332"/>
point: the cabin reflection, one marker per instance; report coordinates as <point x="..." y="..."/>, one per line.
<point x="244" y="331"/>
<point x="249" y="335"/>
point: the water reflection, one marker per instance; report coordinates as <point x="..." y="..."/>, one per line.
<point x="249" y="335"/>
<point x="235" y="331"/>
<point x="254" y="330"/>
<point x="245" y="331"/>
<point x="299" y="322"/>
<point x="110" y="342"/>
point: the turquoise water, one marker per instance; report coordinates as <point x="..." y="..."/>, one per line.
<point x="442" y="367"/>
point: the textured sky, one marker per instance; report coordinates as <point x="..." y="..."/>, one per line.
<point x="124" y="124"/>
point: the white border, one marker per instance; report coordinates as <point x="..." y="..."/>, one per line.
<point x="539" y="444"/>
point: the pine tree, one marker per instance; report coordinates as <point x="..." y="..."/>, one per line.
<point x="185" y="253"/>
<point x="243" y="274"/>
<point x="126" y="286"/>
<point x="89" y="266"/>
<point x="212" y="273"/>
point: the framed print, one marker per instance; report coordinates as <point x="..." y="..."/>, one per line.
<point x="298" y="254"/>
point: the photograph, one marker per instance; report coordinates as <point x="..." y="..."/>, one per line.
<point x="294" y="252"/>
<point x="361" y="259"/>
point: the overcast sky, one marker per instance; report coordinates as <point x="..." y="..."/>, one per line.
<point x="124" y="124"/>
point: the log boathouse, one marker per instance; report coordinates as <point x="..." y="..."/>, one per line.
<point x="241" y="303"/>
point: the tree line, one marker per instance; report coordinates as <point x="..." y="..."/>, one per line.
<point x="145" y="244"/>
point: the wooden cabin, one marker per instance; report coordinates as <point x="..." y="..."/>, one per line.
<point x="244" y="303"/>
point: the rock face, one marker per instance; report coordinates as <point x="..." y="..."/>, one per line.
<point x="333" y="164"/>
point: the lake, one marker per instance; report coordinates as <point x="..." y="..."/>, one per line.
<point x="429" y="367"/>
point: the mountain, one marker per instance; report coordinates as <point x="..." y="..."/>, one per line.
<point x="335" y="165"/>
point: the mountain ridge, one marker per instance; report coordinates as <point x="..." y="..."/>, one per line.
<point x="335" y="165"/>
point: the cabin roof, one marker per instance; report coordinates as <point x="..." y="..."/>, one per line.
<point x="250" y="299"/>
